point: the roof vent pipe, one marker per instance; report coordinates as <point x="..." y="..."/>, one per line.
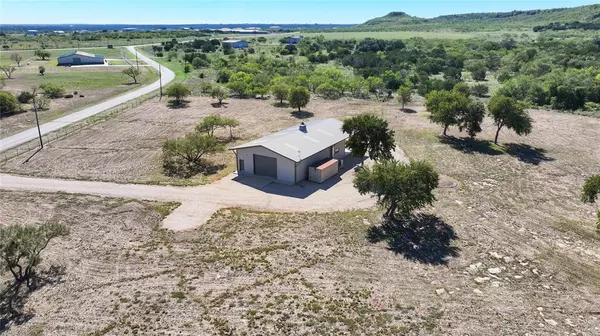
<point x="302" y="127"/>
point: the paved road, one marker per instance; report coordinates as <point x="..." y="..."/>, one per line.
<point x="199" y="203"/>
<point x="32" y="133"/>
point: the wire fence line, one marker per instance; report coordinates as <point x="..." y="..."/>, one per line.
<point x="72" y="128"/>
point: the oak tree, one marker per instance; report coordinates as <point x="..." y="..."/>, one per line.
<point x="369" y="134"/>
<point x="510" y="113"/>
<point x="399" y="187"/>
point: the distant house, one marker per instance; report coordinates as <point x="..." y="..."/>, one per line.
<point x="293" y="154"/>
<point x="32" y="32"/>
<point x="236" y="43"/>
<point x="293" y="39"/>
<point x="80" y="58"/>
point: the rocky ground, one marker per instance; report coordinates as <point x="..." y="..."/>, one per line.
<point x="506" y="249"/>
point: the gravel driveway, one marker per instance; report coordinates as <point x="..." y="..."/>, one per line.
<point x="199" y="203"/>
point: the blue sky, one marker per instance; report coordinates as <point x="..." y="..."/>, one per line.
<point x="247" y="11"/>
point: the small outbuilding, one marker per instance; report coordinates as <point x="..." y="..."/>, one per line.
<point x="287" y="155"/>
<point x="79" y="58"/>
<point x="293" y="39"/>
<point x="236" y="43"/>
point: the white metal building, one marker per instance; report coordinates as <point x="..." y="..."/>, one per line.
<point x="287" y="154"/>
<point x="79" y="58"/>
<point x="236" y="43"/>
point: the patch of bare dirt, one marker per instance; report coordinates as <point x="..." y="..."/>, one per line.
<point x="128" y="147"/>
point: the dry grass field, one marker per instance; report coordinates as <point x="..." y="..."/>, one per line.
<point x="510" y="250"/>
<point x="128" y="147"/>
<point x="242" y="274"/>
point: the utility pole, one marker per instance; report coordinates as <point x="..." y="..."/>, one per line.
<point x="37" y="121"/>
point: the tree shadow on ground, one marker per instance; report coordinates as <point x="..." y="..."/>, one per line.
<point x="14" y="296"/>
<point x="526" y="153"/>
<point x="177" y="105"/>
<point x="422" y="238"/>
<point x="468" y="145"/>
<point x="181" y="169"/>
<point x="407" y="110"/>
<point x="522" y="152"/>
<point x="219" y="105"/>
<point x="302" y="114"/>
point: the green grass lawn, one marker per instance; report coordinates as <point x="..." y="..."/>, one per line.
<point x="108" y="53"/>
<point x="87" y="80"/>
<point x="5" y="56"/>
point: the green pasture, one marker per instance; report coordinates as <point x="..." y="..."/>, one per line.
<point x="87" y="80"/>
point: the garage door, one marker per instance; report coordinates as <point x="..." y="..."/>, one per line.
<point x="265" y="166"/>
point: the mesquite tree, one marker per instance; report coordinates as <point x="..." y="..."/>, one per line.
<point x="21" y="247"/>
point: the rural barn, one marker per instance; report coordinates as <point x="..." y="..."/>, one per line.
<point x="288" y="155"/>
<point x="80" y="58"/>
<point x="236" y="43"/>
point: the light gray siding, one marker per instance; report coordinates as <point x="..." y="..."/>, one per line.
<point x="285" y="166"/>
<point x="68" y="60"/>
<point x="327" y="153"/>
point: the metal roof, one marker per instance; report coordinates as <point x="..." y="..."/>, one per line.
<point x="233" y="41"/>
<point x="80" y="53"/>
<point x="298" y="145"/>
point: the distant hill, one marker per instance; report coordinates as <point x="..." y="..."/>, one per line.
<point x="589" y="15"/>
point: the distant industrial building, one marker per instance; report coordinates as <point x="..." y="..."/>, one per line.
<point x="80" y="58"/>
<point x="235" y="43"/>
<point x="293" y="39"/>
<point x="242" y="31"/>
<point x="32" y="32"/>
<point x="59" y="32"/>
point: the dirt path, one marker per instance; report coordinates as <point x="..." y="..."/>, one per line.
<point x="32" y="133"/>
<point x="199" y="203"/>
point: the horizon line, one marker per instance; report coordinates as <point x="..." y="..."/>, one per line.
<point x="174" y="24"/>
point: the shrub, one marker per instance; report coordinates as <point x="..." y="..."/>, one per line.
<point x="53" y="90"/>
<point x="206" y="87"/>
<point x="43" y="103"/>
<point x="480" y="90"/>
<point x="8" y="103"/>
<point x="462" y="88"/>
<point x="25" y="97"/>
<point x="503" y="76"/>
<point x="219" y="93"/>
<point x="68" y="96"/>
<point x="183" y="157"/>
<point x="591" y="106"/>
<point x="179" y="92"/>
<point x="201" y="75"/>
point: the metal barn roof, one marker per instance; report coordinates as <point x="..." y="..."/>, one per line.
<point x="298" y="145"/>
<point x="80" y="53"/>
